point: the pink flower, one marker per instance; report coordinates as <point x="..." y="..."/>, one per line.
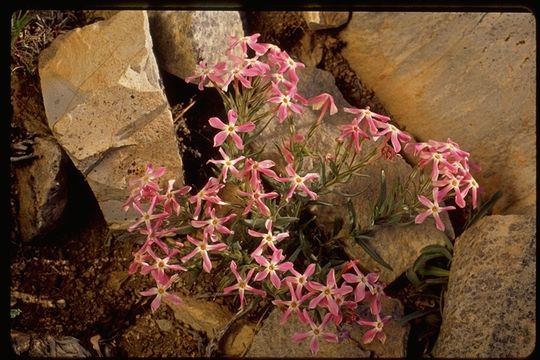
<point x="298" y="181"/>
<point x="239" y="72"/>
<point x="170" y="204"/>
<point x="148" y="216"/>
<point x="287" y="64"/>
<point x="161" y="292"/>
<point x="472" y="185"/>
<point x="257" y="67"/>
<point x="327" y="292"/>
<point x="439" y="161"/>
<point x="285" y="102"/>
<point x="254" y="167"/>
<point x="202" y="247"/>
<point x="293" y="305"/>
<point x="353" y="131"/>
<point x="396" y="136"/>
<point x="324" y="102"/>
<point x="153" y="237"/>
<point x="268" y="239"/>
<point x="213" y="224"/>
<point x="242" y="284"/>
<point x="377" y="330"/>
<point x="369" y="116"/>
<point x="160" y="265"/>
<point x="299" y="279"/>
<point x="272" y="267"/>
<point x="256" y="197"/>
<point x="145" y="186"/>
<point x="449" y="183"/>
<point x="139" y="259"/>
<point x="246" y="41"/>
<point x="433" y="209"/>
<point x="206" y="74"/>
<point x="362" y="280"/>
<point x="209" y="194"/>
<point x="227" y="164"/>
<point x="316" y="332"/>
<point x="230" y="129"/>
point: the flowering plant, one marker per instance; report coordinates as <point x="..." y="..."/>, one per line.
<point x="255" y="214"/>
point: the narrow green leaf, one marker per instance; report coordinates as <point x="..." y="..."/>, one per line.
<point x="484" y="209"/>
<point x="371" y="252"/>
<point x="294" y="255"/>
<point x="413" y="278"/>
<point x="285" y="220"/>
<point x="437" y="249"/>
<point x="382" y="194"/>
<point x="433" y="271"/>
<point x="352" y="213"/>
<point x="423" y="259"/>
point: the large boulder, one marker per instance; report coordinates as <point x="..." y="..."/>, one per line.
<point x="183" y="38"/>
<point x="490" y="307"/>
<point x="467" y="76"/>
<point x="106" y="106"/>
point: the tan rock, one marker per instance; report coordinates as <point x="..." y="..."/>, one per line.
<point x="105" y="105"/>
<point x="490" y="305"/>
<point x="320" y="20"/>
<point x="239" y="340"/>
<point x="183" y="38"/>
<point x="466" y="76"/>
<point x="202" y="315"/>
<point x="274" y="340"/>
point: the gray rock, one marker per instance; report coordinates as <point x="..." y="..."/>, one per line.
<point x="42" y="189"/>
<point x="320" y="20"/>
<point x="490" y="307"/>
<point x="105" y="105"/>
<point x="35" y="345"/>
<point x="183" y="38"/>
<point x="439" y="75"/>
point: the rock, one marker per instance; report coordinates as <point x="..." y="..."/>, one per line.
<point x="394" y="245"/>
<point x="202" y="315"/>
<point x="274" y="340"/>
<point x="239" y="340"/>
<point x="395" y="345"/>
<point x="399" y="246"/>
<point x="42" y="189"/>
<point x="490" y="306"/>
<point x="320" y="20"/>
<point x="106" y="107"/>
<point x="164" y="325"/>
<point x="183" y="38"/>
<point x="438" y="74"/>
<point x="34" y="345"/>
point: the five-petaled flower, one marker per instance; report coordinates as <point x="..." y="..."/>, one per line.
<point x="230" y="129"/>
<point x="161" y="292"/>
<point x="271" y="267"/>
<point x="293" y="305"/>
<point x="242" y="284"/>
<point x="362" y="281"/>
<point x="213" y="223"/>
<point x="298" y="181"/>
<point x="327" y="292"/>
<point x="268" y="239"/>
<point x="434" y="209"/>
<point x="316" y="332"/>
<point x="160" y="265"/>
<point x="202" y="247"/>
<point x="377" y="330"/>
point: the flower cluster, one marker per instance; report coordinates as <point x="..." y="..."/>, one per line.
<point x="450" y="176"/>
<point x="249" y="214"/>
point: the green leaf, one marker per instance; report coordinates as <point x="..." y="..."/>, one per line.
<point x="413" y="278"/>
<point x="484" y="209"/>
<point x="185" y="230"/>
<point x="347" y="195"/>
<point x="294" y="255"/>
<point x="319" y="202"/>
<point x="433" y="271"/>
<point x="352" y="213"/>
<point x="382" y="194"/>
<point x="423" y="259"/>
<point x="437" y="249"/>
<point x="285" y="220"/>
<point x="361" y="240"/>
